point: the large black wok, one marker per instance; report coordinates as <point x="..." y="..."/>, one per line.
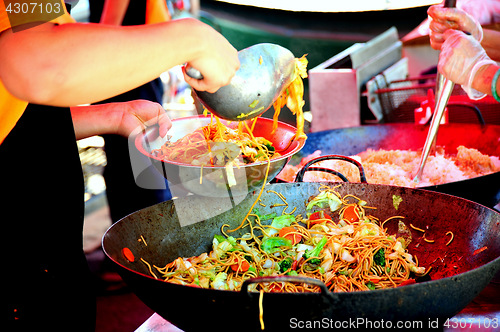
<point x="350" y="141"/>
<point x="457" y="274"/>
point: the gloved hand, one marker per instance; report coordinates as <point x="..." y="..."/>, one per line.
<point x="460" y="58"/>
<point x="443" y="19"/>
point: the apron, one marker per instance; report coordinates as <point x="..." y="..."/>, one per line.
<point x="123" y="193"/>
<point x="47" y="281"/>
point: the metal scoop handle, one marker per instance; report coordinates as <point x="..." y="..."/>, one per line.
<point x="444" y="89"/>
<point x="442" y="100"/>
<point x="193" y="73"/>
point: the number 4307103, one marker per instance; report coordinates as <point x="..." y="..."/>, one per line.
<point x="33" y="8"/>
<point x="480" y="322"/>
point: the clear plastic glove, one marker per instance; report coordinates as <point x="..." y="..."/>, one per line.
<point x="443" y="19"/>
<point x="460" y="58"/>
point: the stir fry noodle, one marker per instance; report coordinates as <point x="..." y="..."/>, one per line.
<point x="217" y="145"/>
<point x="338" y="242"/>
<point x="292" y="97"/>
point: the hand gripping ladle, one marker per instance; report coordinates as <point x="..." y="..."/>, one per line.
<point x="265" y="71"/>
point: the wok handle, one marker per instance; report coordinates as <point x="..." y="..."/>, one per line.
<point x="471" y="106"/>
<point x="307" y="167"/>
<point x="296" y="279"/>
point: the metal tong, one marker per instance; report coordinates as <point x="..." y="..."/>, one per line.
<point x="444" y="88"/>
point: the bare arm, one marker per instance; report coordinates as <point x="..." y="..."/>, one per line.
<point x="118" y="118"/>
<point x="491" y="43"/>
<point x="78" y="63"/>
<point x="484" y="78"/>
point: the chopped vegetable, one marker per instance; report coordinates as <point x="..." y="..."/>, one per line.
<point x="346" y="256"/>
<point x="241" y="266"/>
<point x="219" y="238"/>
<point x="222" y="245"/>
<point x="324" y="199"/>
<point x="209" y="274"/>
<point x="280" y="222"/>
<point x="379" y="257"/>
<point x="231" y="240"/>
<point x="220" y="281"/>
<point x="319" y="217"/>
<point x="283" y="221"/>
<point x="416" y="269"/>
<point x="290" y="233"/>
<point x="286" y="264"/>
<point x="396" y="200"/>
<point x="404" y="234"/>
<point x="263" y="217"/>
<point x="317" y="250"/>
<point x="370" y="285"/>
<point x="271" y="244"/>
<point x="128" y="254"/>
<point x="350" y="214"/>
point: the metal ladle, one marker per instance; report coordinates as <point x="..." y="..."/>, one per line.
<point x="265" y="71"/>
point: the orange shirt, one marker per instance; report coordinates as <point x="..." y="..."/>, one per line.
<point x="11" y="108"/>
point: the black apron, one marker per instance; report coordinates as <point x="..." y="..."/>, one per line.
<point x="123" y="194"/>
<point x="47" y="282"/>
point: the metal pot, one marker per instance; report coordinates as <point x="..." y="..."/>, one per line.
<point x="457" y="274"/>
<point x="214" y="180"/>
<point x="350" y="141"/>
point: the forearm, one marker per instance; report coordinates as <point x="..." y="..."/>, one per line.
<point x="78" y="63"/>
<point x="95" y="119"/>
<point x="484" y="78"/>
<point x="491" y="43"/>
<point x="118" y="118"/>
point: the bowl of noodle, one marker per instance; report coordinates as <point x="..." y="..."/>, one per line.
<point x="237" y="159"/>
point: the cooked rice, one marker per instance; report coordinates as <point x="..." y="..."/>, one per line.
<point x="398" y="167"/>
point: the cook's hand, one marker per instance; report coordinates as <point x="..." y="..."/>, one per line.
<point x="138" y="113"/>
<point x="460" y="58"/>
<point x="443" y="19"/>
<point x="218" y="62"/>
<point x="118" y="118"/>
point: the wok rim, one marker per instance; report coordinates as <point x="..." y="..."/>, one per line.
<point x="495" y="261"/>
<point x="295" y="146"/>
<point x="402" y="125"/>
